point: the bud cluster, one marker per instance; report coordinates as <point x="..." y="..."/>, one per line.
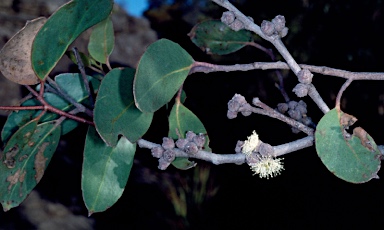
<point x="166" y="152"/>
<point x="297" y="111"/>
<point x="230" y="19"/>
<point x="238" y="104"/>
<point x="275" y="27"/>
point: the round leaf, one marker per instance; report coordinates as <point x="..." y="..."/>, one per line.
<point x="25" y="158"/>
<point x="15" y="56"/>
<point x="105" y="171"/>
<point x="115" y="111"/>
<point x="161" y="71"/>
<point x="62" y="28"/>
<point x="346" y="157"/>
<point x="214" y="37"/>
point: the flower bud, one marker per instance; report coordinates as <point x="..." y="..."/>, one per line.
<point x="169" y="155"/>
<point x="233" y="105"/>
<point x="265" y="149"/>
<point x="191" y="148"/>
<point x="282" y="107"/>
<point x="157" y="151"/>
<point x="237" y="25"/>
<point x="168" y="143"/>
<point x="190" y="135"/>
<point x="284" y="32"/>
<point x="305" y="76"/>
<point x="293" y="113"/>
<point x="292" y="104"/>
<point x="228" y="17"/>
<point x="163" y="164"/>
<point x="301" y="109"/>
<point x="301" y="90"/>
<point x="199" y="140"/>
<point x="231" y="115"/>
<point x="239" y="146"/>
<point x="279" y="22"/>
<point x="181" y="143"/>
<point x="268" y="28"/>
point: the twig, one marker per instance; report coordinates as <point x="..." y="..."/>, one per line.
<point x="268" y="111"/>
<point x="85" y="79"/>
<point x="341" y="91"/>
<point x="68" y="98"/>
<point x="48" y="107"/>
<point x="274" y="39"/>
<point x="236" y="158"/>
<point x="208" y="68"/>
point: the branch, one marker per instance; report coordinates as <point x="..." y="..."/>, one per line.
<point x="236" y="158"/>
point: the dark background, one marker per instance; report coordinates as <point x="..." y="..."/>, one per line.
<point x="340" y="34"/>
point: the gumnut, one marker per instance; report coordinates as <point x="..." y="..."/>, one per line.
<point x="191" y="148"/>
<point x="255" y="100"/>
<point x="305" y="76"/>
<point x="169" y="155"/>
<point x="231" y="114"/>
<point x="282" y="107"/>
<point x="239" y="146"/>
<point x="246" y="110"/>
<point x="234" y="105"/>
<point x="190" y="135"/>
<point x="265" y="149"/>
<point x="268" y="28"/>
<point x="228" y="17"/>
<point x="163" y="164"/>
<point x="284" y="32"/>
<point x="237" y="25"/>
<point x="168" y="143"/>
<point x="295" y="114"/>
<point x="279" y="22"/>
<point x="292" y="104"/>
<point x="302" y="103"/>
<point x="199" y="140"/>
<point x="301" y="109"/>
<point x="301" y="90"/>
<point x="181" y="143"/>
<point x="157" y="151"/>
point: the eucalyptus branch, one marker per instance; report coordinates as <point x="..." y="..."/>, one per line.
<point x="272" y="32"/>
<point x="57" y="89"/>
<point x="235" y="158"/>
<point x="85" y="79"/>
<point x="208" y="68"/>
<point x="48" y="107"/>
<point x="268" y="111"/>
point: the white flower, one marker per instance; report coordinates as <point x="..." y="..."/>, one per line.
<point x="267" y="167"/>
<point x="250" y="144"/>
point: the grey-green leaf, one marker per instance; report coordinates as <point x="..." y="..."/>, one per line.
<point x="105" y="171"/>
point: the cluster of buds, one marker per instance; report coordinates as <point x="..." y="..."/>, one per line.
<point x="166" y="152"/>
<point x="238" y="104"/>
<point x="275" y="27"/>
<point x="297" y="111"/>
<point x="230" y="19"/>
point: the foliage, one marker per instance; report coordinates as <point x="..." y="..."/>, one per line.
<point x="126" y="100"/>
